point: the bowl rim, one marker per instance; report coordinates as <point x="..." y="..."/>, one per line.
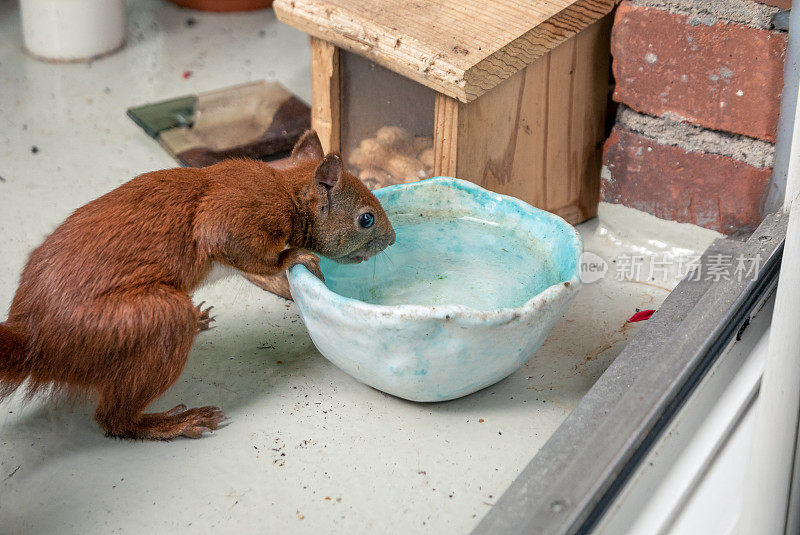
<point x="314" y="288"/>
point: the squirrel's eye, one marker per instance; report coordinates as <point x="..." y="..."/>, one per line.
<point x="366" y="220"/>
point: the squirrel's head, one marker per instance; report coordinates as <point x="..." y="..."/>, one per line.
<point x="345" y="222"/>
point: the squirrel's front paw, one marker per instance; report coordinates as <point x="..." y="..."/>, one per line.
<point x="277" y="284"/>
<point x="311" y="262"/>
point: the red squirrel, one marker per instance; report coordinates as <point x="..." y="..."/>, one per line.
<point x="104" y="305"/>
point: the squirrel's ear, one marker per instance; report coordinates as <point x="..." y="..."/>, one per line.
<point x="308" y="146"/>
<point x="329" y="172"/>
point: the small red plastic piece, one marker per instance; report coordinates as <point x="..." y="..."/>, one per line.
<point x="641" y="316"/>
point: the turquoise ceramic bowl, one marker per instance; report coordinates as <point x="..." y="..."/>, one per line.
<point x="468" y="293"/>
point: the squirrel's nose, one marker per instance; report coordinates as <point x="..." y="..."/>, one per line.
<point x="391" y="241"/>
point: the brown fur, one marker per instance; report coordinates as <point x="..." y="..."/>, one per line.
<point x="103" y="305"/>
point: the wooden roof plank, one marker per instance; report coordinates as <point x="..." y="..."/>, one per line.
<point x="459" y="48"/>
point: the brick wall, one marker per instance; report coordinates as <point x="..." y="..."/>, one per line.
<point x="699" y="85"/>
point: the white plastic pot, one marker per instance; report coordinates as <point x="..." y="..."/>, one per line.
<point x="72" y="30"/>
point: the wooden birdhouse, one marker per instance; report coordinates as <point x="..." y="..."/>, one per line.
<point x="509" y="94"/>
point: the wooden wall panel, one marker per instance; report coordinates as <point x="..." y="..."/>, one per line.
<point x="591" y="89"/>
<point x="445" y="136"/>
<point x="325" y="93"/>
<point x="538" y="135"/>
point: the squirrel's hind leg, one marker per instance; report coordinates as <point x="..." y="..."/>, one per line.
<point x="169" y="325"/>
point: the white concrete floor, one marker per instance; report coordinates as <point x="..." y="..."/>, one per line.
<point x="307" y="449"/>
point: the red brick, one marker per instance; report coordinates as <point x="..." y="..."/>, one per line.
<point x="724" y="76"/>
<point x="709" y="190"/>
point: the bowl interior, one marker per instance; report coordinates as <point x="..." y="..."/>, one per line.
<point x="454" y="247"/>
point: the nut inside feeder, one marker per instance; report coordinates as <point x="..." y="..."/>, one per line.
<point x="509" y="95"/>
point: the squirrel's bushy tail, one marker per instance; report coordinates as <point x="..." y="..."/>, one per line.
<point x="13" y="370"/>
